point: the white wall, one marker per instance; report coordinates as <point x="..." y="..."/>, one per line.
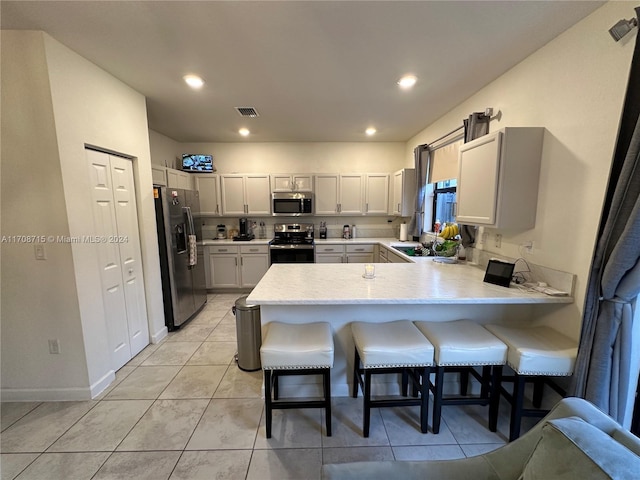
<point x="164" y="150"/>
<point x="328" y="157"/>
<point x="38" y="297"/>
<point x="574" y="87"/>
<point x="89" y="107"/>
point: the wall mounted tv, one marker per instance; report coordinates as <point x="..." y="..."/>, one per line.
<point x="197" y="163"/>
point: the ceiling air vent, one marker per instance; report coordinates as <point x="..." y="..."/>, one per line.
<point x="247" y="112"/>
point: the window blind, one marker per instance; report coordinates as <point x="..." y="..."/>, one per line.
<point x="444" y="162"/>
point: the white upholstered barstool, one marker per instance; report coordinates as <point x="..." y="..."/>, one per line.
<point x="296" y="349"/>
<point x="461" y="345"/>
<point x="391" y="347"/>
<point x="534" y="354"/>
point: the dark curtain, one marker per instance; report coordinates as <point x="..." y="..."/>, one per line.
<point x="421" y="158"/>
<point x="604" y="373"/>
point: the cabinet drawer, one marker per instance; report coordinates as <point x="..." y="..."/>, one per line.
<point x="360" y="248"/>
<point x="254" y="249"/>
<point x="223" y="249"/>
<point x="329" y="248"/>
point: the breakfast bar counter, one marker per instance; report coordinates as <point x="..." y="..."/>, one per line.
<point x="425" y="290"/>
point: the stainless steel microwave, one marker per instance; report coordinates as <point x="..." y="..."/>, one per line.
<point x="292" y="204"/>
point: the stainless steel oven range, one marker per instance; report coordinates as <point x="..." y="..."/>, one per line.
<point x="292" y="243"/>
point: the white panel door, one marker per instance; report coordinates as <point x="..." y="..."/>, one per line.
<point x="108" y="253"/>
<point x="128" y="241"/>
<point x="233" y="201"/>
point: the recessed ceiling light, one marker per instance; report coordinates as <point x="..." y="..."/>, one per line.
<point x="244" y="132"/>
<point x="370" y="131"/>
<point x="193" y="81"/>
<point x="407" y="81"/>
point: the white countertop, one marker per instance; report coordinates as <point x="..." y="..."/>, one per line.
<point x="425" y="282"/>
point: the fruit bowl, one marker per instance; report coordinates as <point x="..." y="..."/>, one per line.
<point x="448" y="248"/>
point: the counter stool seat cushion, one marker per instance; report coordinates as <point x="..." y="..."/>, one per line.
<point x="391" y="344"/>
<point x="463" y="343"/>
<point x="297" y="346"/>
<point x="537" y="350"/>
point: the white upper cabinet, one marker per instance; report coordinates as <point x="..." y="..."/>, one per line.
<point x="327" y="194"/>
<point x="159" y="175"/>
<point x="498" y="176"/>
<point x="209" y="188"/>
<point x="248" y="194"/>
<point x="351" y="194"/>
<point x="404" y="192"/>
<point x="339" y="194"/>
<point x="283" y="182"/>
<point x="179" y="179"/>
<point x="376" y="194"/>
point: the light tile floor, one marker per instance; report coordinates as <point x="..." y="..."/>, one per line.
<point x="183" y="410"/>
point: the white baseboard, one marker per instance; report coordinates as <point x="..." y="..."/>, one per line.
<point x="159" y="335"/>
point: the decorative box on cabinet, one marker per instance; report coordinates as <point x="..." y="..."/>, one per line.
<point x="498" y="176"/>
<point x="404" y="192"/>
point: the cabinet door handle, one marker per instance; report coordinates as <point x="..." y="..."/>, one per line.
<point x="253" y="249"/>
<point x="223" y="250"/>
<point x="366" y="207"/>
<point x="398" y="207"/>
<point x="359" y="249"/>
<point x="236" y="261"/>
<point x="328" y="249"/>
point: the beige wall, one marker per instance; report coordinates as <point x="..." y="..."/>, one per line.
<point x="84" y="106"/>
<point x="574" y="87"/>
<point x="277" y="157"/>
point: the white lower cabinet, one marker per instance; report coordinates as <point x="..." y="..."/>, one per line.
<point x="360" y="253"/>
<point x="336" y="253"/>
<point x="254" y="263"/>
<point x="236" y="266"/>
<point x="330" y="253"/>
<point x="387" y="255"/>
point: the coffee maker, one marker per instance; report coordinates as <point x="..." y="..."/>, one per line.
<point x="245" y="233"/>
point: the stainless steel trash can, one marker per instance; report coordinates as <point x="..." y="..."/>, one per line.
<point x="248" y="333"/>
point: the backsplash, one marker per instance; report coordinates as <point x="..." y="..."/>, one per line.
<point x="376" y="227"/>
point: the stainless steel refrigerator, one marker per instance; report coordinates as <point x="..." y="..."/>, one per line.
<point x="179" y="227"/>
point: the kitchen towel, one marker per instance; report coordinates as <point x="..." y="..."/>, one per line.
<point x="193" y="250"/>
<point x="403" y="232"/>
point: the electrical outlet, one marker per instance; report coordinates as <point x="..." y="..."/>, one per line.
<point x="54" y="346"/>
<point x="40" y="252"/>
<point x="498" y="240"/>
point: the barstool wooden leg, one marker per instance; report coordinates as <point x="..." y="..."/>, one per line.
<point x="267" y="402"/>
<point x="367" y="403"/>
<point x="517" y="400"/>
<point x="485" y="388"/>
<point x="437" y="398"/>
<point x="405" y="382"/>
<point x="494" y="397"/>
<point x="423" y="375"/>
<point x="356" y="376"/>
<point x="538" y="390"/>
<point x="326" y="377"/>
<point x="464" y="382"/>
<point x="276" y="392"/>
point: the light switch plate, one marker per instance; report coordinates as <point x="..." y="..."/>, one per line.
<point x="40" y="253"/>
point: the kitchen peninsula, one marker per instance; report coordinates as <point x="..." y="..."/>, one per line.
<point x="424" y="290"/>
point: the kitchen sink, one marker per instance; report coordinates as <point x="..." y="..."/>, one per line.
<point x="409" y="251"/>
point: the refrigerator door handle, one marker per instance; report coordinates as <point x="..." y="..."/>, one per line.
<point x="192" y="228"/>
